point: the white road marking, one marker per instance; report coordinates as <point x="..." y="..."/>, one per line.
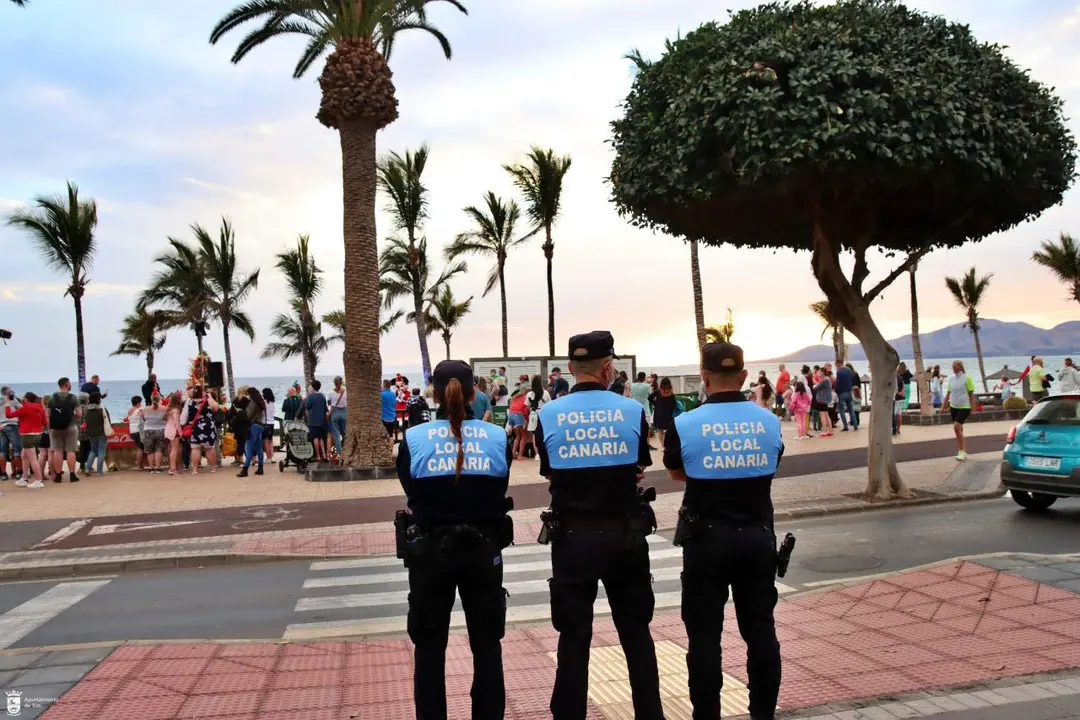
<point x="20" y="621"/>
<point x="67" y="530"/>
<point x="132" y="527"/>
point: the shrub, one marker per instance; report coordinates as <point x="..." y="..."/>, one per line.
<point x="1015" y="403"/>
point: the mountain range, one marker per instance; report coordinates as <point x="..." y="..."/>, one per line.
<point x="998" y="338"/>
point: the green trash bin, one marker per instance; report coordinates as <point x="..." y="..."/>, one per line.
<point x="498" y="415"/>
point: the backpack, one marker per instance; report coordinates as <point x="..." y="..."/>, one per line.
<point x="60" y="413"/>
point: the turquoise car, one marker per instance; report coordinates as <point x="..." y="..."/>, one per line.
<point x="1041" y="462"/>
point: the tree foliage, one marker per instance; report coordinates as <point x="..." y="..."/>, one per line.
<point x="884" y="126"/>
<point x="1063" y="260"/>
<point x="968" y="292"/>
<point x="721" y="333"/>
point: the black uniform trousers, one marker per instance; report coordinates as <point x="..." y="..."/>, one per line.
<point x="744" y="558"/>
<point x="475" y="571"/>
<point x="612" y="554"/>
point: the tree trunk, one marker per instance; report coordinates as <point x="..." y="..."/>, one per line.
<point x="922" y="382"/>
<point x="549" y="251"/>
<point x="230" y="379"/>
<point x="838" y="345"/>
<point x="502" y="297"/>
<point x="80" y="340"/>
<point x="978" y="354"/>
<point x="446" y="339"/>
<point x="883" y="479"/>
<point x="421" y="319"/>
<point x="149" y="363"/>
<point x="199" y="341"/>
<point x="699" y="303"/>
<point x="366" y="442"/>
<point x="313" y="365"/>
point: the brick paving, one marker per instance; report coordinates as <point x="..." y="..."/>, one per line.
<point x="958" y="624"/>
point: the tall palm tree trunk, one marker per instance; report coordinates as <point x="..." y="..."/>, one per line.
<point x="699" y="303"/>
<point x="549" y="251"/>
<point x="446" y="339"/>
<point x="366" y="442"/>
<point x="199" y="341"/>
<point x="80" y="339"/>
<point x="422" y="332"/>
<point x="839" y="345"/>
<point x="978" y="354"/>
<point x="922" y="383"/>
<point x="150" y="363"/>
<point x="230" y="378"/>
<point x="502" y="298"/>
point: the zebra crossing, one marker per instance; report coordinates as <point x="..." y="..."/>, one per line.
<point x="369" y="596"/>
<point x="26" y="617"/>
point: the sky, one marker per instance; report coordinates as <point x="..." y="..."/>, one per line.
<point x="128" y="99"/>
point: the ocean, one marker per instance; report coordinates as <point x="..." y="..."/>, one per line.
<point x="121" y="391"/>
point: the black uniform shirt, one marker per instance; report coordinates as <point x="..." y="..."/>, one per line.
<point x="595" y="491"/>
<point x="472" y="499"/>
<point x="734" y="501"/>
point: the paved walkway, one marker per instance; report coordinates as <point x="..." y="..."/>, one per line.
<point x="74" y="549"/>
<point x="897" y="642"/>
<point x="133" y="493"/>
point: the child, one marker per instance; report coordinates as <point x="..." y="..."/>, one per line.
<point x="96" y="420"/>
<point x="799" y="404"/>
<point x="665" y="408"/>
<point x="32" y="421"/>
<point x="856" y="403"/>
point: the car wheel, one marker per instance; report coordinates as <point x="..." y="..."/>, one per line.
<point x="1032" y="501"/>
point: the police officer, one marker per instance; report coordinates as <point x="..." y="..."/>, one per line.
<point x="594" y="446"/>
<point x="727" y="451"/>
<point x="455" y="472"/>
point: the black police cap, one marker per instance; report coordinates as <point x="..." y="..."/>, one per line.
<point x="448" y="370"/>
<point x="722" y="358"/>
<point x="594" y="345"/>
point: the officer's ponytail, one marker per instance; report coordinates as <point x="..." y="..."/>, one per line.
<point x="455" y="413"/>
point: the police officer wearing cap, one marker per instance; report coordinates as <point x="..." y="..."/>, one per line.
<point x="593" y="449"/>
<point x="455" y="471"/>
<point x="727" y="451"/>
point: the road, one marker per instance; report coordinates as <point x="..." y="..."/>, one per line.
<point x="305" y="599"/>
<point x="92" y="532"/>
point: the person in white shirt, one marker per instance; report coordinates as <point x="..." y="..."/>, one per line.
<point x="338" y="400"/>
<point x="1069" y="377"/>
<point x="959" y="401"/>
<point x="268" y="425"/>
<point x="135" y="425"/>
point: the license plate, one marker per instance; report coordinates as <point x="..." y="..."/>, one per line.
<point x="1042" y="463"/>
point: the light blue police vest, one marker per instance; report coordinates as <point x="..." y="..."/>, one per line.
<point x="591" y="428"/>
<point x="729" y="441"/>
<point x="433" y="449"/>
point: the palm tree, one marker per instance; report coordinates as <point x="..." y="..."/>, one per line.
<point x="358" y="100"/>
<point x="699" y="301"/>
<point x="968" y="292"/>
<point x="62" y="227"/>
<point x="922" y="382"/>
<point x="492" y="235"/>
<point x="540" y="181"/>
<point x="299" y="333"/>
<point x="180" y="290"/>
<point x="1063" y="260"/>
<point x="21" y="3"/>
<point x="833" y="325"/>
<point x="143" y="333"/>
<point x="444" y="313"/>
<point x="402" y="269"/>
<point x="719" y="333"/>
<point x="228" y="288"/>
<point x="400" y="178"/>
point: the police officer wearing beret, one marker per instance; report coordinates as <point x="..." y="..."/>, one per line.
<point x="727" y="451"/>
<point x="455" y="471"/>
<point x="594" y="447"/>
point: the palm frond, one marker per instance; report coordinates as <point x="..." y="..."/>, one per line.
<point x="302" y="274"/>
<point x="401" y="179"/>
<point x="1062" y="260"/>
<point x="540" y="181"/>
<point x="968" y="292"/>
<point x="62" y="229"/>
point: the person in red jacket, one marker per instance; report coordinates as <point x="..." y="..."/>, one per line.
<point x="32" y="421"/>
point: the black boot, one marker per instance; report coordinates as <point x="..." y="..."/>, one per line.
<point x="259" y="471"/>
<point x="243" y="472"/>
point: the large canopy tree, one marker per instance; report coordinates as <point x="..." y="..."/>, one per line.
<point x="494" y="227"/>
<point x="840" y="129"/>
<point x="358" y="100"/>
<point x="62" y="227"/>
<point x="228" y="288"/>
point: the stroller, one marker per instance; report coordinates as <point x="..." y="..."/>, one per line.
<point x="298" y="448"/>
